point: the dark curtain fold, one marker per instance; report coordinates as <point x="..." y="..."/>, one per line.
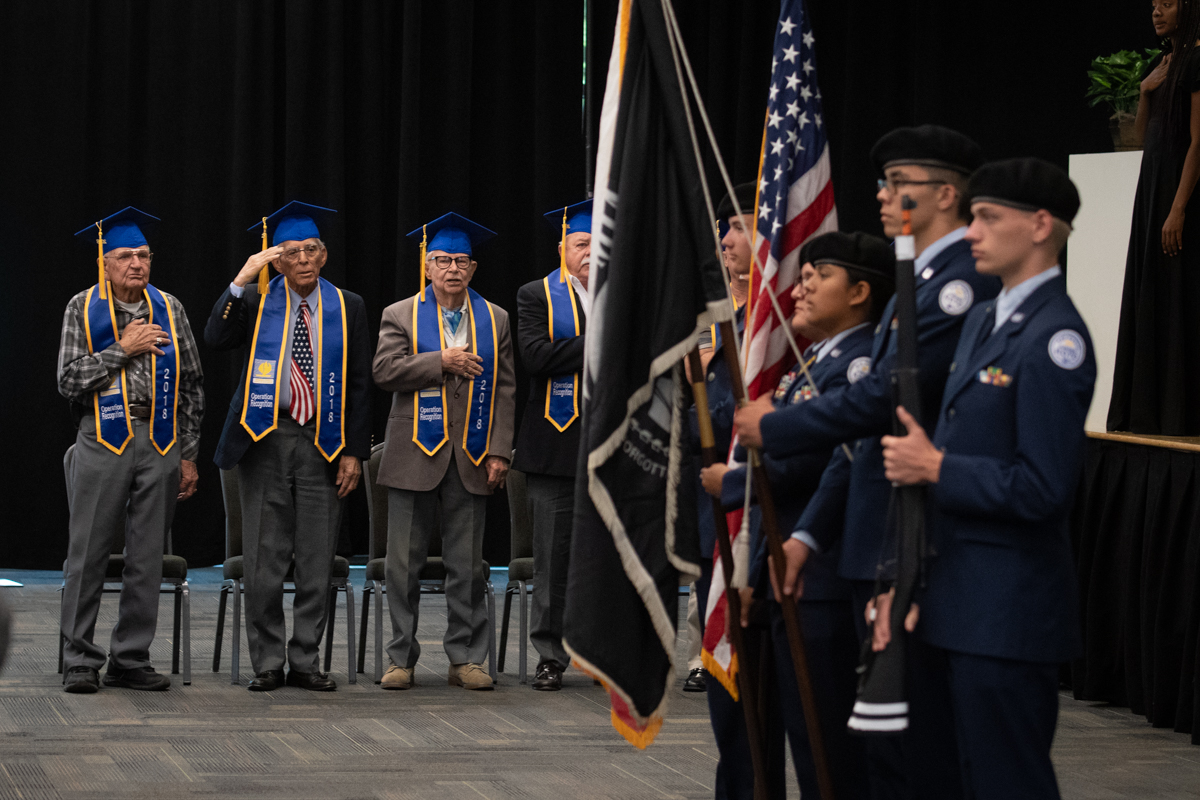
<point x="212" y="114"/>
<point x="1136" y="529"/>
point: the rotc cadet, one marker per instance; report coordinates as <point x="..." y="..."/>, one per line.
<point x="297" y="441"/>
<point x="930" y="165"/>
<point x="553" y="318"/>
<point x="1002" y="467"/>
<point x="848" y="279"/>
<point x="129" y="365"/>
<point x="446" y="355"/>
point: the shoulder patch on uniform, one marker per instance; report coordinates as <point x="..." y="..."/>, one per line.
<point x="956" y="297"/>
<point x="859" y="368"/>
<point x="1067" y="349"/>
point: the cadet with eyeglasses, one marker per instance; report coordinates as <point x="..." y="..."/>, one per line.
<point x="297" y="431"/>
<point x="129" y="365"/>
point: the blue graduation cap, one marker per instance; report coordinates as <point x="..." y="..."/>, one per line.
<point x="293" y="223"/>
<point x="450" y="233"/>
<point x="578" y="218"/>
<point x="123" y="231"/>
<point x="575" y="218"/>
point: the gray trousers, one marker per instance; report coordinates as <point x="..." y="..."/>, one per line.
<point x="551" y="508"/>
<point x="134" y="492"/>
<point x="412" y="517"/>
<point x="290" y="509"/>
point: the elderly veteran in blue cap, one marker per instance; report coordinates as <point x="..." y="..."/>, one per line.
<point x="1000" y="599"/>
<point x="553" y="318"/>
<point x="297" y="430"/>
<point x="129" y="365"/>
<point x="446" y="355"/>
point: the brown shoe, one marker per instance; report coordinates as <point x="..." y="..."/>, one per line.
<point x="397" y="678"/>
<point x="469" y="676"/>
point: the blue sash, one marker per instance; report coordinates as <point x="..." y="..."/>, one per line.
<point x="562" y="391"/>
<point x="429" y="405"/>
<point x="111" y="405"/>
<point x="260" y="405"/>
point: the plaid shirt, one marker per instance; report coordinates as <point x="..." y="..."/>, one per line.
<point x="81" y="374"/>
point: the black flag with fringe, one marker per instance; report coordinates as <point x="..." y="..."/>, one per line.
<point x="655" y="279"/>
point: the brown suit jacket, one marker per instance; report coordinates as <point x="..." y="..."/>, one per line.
<point x="398" y="370"/>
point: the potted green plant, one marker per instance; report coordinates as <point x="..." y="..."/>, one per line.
<point x="1116" y="82"/>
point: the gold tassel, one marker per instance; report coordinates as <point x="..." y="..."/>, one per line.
<point x="562" y="250"/>
<point x="100" y="262"/>
<point x="424" y="239"/>
<point x="264" y="275"/>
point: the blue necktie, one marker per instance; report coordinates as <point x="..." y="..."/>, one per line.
<point x="452" y="319"/>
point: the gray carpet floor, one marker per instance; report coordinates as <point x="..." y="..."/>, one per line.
<point x="213" y="739"/>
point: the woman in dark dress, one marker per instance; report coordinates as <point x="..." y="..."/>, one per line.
<point x="1156" y="381"/>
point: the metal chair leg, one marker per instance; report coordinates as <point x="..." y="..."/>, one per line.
<point x="378" y="631"/>
<point x="523" y="644"/>
<point x="330" y="619"/>
<point x="178" y="592"/>
<point x="224" y="596"/>
<point x="504" y="626"/>
<point x="362" y="630"/>
<point x="350" y="643"/>
<point x="235" y="675"/>
<point x="62" y="640"/>
<point x="491" y="614"/>
<point x="186" y="638"/>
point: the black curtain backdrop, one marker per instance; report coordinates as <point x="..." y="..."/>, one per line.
<point x="212" y="114"/>
<point x="1135" y="531"/>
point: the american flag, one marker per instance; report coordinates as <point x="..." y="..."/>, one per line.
<point x="302" y="367"/>
<point x="795" y="202"/>
<point x="795" y="194"/>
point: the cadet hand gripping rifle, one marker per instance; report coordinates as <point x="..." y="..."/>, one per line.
<point x="882" y="706"/>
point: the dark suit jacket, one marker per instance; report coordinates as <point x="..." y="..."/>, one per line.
<point x="946" y="289"/>
<point x="231" y="325"/>
<point x="794" y="479"/>
<point x="541" y="447"/>
<point x="1003" y="582"/>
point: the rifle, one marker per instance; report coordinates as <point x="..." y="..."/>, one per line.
<point x="882" y="705"/>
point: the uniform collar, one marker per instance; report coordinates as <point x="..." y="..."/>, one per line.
<point x="829" y="344"/>
<point x="934" y="250"/>
<point x="1009" y="300"/>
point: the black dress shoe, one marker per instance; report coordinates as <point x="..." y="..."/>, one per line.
<point x="697" y="680"/>
<point x="267" y="681"/>
<point x="142" y="678"/>
<point x="81" y="680"/>
<point x="313" y="681"/>
<point x="547" y="677"/>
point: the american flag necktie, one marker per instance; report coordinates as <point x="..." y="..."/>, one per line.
<point x="302" y="367"/>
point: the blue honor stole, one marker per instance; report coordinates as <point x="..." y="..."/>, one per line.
<point x="111" y="404"/>
<point x="429" y="405"/>
<point x="260" y="405"/>
<point x="562" y="391"/>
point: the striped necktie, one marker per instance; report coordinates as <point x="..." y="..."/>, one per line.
<point x="302" y="368"/>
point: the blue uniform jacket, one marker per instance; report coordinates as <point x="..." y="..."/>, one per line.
<point x="1011" y="424"/>
<point x="857" y="492"/>
<point x="794" y="479"/>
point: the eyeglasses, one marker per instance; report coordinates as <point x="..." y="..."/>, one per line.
<point x="293" y="253"/>
<point x="124" y="258"/>
<point x="444" y="262"/>
<point x="890" y="185"/>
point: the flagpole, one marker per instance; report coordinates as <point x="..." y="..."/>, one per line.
<point x="791" y="616"/>
<point x="589" y="158"/>
<point x="733" y="601"/>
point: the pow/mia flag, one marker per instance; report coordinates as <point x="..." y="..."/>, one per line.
<point x="655" y="282"/>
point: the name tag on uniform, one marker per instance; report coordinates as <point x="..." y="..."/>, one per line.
<point x="994" y="376"/>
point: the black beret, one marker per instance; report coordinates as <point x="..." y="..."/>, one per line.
<point x="1029" y="184"/>
<point x="745" y="197"/>
<point x="927" y="146"/>
<point x="860" y="251"/>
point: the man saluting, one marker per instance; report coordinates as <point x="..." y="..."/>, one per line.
<point x="297" y="429"/>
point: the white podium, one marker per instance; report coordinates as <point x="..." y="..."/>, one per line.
<point x="1096" y="258"/>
